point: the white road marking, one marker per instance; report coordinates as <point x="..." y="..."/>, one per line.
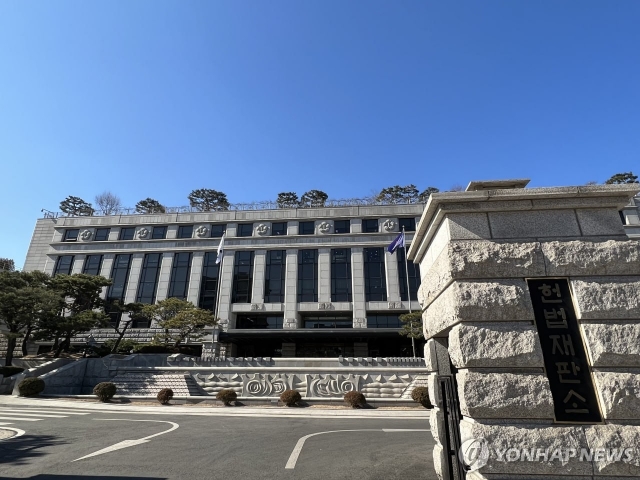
<point x="293" y="458"/>
<point x="19" y="433"/>
<point x="6" y="423"/>
<point x="21" y="418"/>
<point x="128" y="443"/>
<point x="10" y="412"/>
<point x="26" y="410"/>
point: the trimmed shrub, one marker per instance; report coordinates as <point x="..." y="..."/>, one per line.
<point x="227" y="396"/>
<point x="9" y="371"/>
<point x="104" y="391"/>
<point x="290" y="397"/>
<point x="355" y="399"/>
<point x="421" y="395"/>
<point x="165" y="395"/>
<point x="31" y="386"/>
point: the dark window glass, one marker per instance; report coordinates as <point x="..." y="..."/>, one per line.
<point x="127" y="233"/>
<point x="342" y="226"/>
<point x="370" y="225"/>
<point x="307" y="275"/>
<point x="245" y="229"/>
<point x="209" y="285"/>
<point x="414" y="276"/>
<point x="119" y="276"/>
<point x="306" y="228"/>
<point x="327" y="322"/>
<point x="274" y="276"/>
<point x="180" y="270"/>
<point x="71" y="234"/>
<point x="279" y="228"/>
<point x="341" y="275"/>
<point x="409" y="224"/>
<point x="185" y="231"/>
<point x="375" y="285"/>
<point x="159" y="233"/>
<point x="259" y="321"/>
<point x="92" y="265"/>
<point x="242" y="277"/>
<point x="149" y="278"/>
<point x="217" y="230"/>
<point x="64" y="264"/>
<point x="102" y="234"/>
<point x="375" y="320"/>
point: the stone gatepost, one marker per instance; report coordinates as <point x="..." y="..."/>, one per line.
<point x="531" y="298"/>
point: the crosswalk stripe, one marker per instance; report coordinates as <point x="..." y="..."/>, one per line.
<point x="6" y="423"/>
<point x="20" y="418"/>
<point x="9" y="412"/>
<point x="43" y="411"/>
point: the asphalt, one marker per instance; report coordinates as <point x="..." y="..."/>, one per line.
<point x="180" y="442"/>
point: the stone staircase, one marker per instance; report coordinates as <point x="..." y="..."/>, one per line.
<point x="419" y="381"/>
<point x="149" y="384"/>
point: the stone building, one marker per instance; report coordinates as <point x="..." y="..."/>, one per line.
<point x="630" y="215"/>
<point x="305" y="282"/>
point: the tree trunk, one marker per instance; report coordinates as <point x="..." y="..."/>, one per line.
<point x="25" y="340"/>
<point x="11" y="344"/>
<point x="62" y="345"/>
<point x="120" y="337"/>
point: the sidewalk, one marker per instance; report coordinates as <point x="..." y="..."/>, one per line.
<point x="210" y="410"/>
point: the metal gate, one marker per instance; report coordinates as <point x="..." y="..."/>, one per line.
<point x="452" y="442"/>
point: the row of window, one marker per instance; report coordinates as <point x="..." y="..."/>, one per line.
<point x="271" y="321"/>
<point x="275" y="275"/>
<point x="243" y="230"/>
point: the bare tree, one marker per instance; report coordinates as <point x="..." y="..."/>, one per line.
<point x="457" y="188"/>
<point x="108" y="203"/>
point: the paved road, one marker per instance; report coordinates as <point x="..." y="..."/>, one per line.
<point x="209" y="446"/>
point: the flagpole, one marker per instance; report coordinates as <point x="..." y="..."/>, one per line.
<point x="406" y="270"/>
<point x="219" y="252"/>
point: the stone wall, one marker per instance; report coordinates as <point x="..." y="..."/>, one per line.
<point x="476" y="249"/>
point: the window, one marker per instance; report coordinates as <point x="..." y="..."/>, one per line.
<point x="414" y="276"/>
<point x="102" y="234"/>
<point x="375" y="320"/>
<point x="217" y="230"/>
<point x="209" y="285"/>
<point x="119" y="276"/>
<point x="92" y="265"/>
<point x="185" y="231"/>
<point x="375" y="286"/>
<point x="306" y="228"/>
<point x="623" y="217"/>
<point x="71" y="235"/>
<point x="274" y="276"/>
<point x="307" y="275"/>
<point x="149" y="278"/>
<point x="409" y="224"/>
<point x="259" y="321"/>
<point x="242" y="277"/>
<point x="342" y="226"/>
<point x="279" y="228"/>
<point x="341" y="275"/>
<point x="63" y="265"/>
<point x="245" y="229"/>
<point x="127" y="233"/>
<point x="327" y="322"/>
<point x="159" y="233"/>
<point x="118" y="289"/>
<point x="180" y="270"/>
<point x="370" y="225"/>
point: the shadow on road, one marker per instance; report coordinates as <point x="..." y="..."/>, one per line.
<point x="91" y="477"/>
<point x="19" y="450"/>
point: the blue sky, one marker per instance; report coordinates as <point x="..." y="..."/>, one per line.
<point x="157" y="98"/>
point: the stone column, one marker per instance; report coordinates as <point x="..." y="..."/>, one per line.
<point x="476" y="250"/>
<point x="195" y="278"/>
<point x="78" y="264"/>
<point x="291" y="317"/>
<point x="357" y="287"/>
<point x="225" y="286"/>
<point x="165" y="276"/>
<point x="324" y="270"/>
<point x="393" y="287"/>
<point x="105" y="271"/>
<point x="259" y="267"/>
<point x="134" y="277"/>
